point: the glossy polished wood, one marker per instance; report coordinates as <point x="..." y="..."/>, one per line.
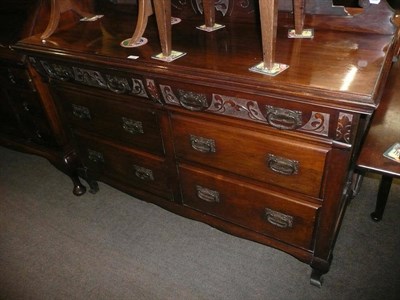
<point x="58" y="7"/>
<point x="347" y="69"/>
<point x="265" y="158"/>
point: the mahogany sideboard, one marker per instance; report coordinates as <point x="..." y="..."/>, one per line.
<point x="266" y="158"/>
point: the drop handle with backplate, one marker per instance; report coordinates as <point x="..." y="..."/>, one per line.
<point x="81" y="112"/>
<point x="143" y="173"/>
<point x="11" y="77"/>
<point x="117" y="85"/>
<point x="202" y="144"/>
<point x="132" y="126"/>
<point x="207" y="195"/>
<point x="282" y="118"/>
<point x="26" y="106"/>
<point x="95" y="156"/>
<point x="278" y="219"/>
<point x="192" y="101"/>
<point x="282" y="165"/>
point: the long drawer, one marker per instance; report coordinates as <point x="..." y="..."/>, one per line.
<point x="272" y="214"/>
<point x="132" y="125"/>
<point x="138" y="169"/>
<point x="288" y="163"/>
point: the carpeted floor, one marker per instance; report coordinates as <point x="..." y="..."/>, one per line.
<point x="54" y="245"/>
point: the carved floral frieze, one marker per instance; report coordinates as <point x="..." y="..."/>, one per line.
<point x="312" y="122"/>
<point x="117" y="84"/>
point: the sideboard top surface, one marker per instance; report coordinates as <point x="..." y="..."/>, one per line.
<point x="344" y="68"/>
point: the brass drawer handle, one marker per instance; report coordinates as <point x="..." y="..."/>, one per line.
<point x="278" y="219"/>
<point x="207" y="195"/>
<point x="202" y="144"/>
<point x="117" y="85"/>
<point x="132" y="126"/>
<point x="81" y="112"/>
<point x="192" y="101"/>
<point x="143" y="173"/>
<point x="282" y="165"/>
<point x="11" y="77"/>
<point x="95" y="156"/>
<point x="26" y="106"/>
<point x="282" y="118"/>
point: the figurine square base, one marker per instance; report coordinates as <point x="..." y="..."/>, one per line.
<point x="210" y="29"/>
<point x="275" y="70"/>
<point x="174" y="55"/>
<point x="305" y="34"/>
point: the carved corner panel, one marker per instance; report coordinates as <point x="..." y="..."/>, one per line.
<point x="344" y="131"/>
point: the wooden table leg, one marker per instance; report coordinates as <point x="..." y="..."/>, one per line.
<point x="145" y="11"/>
<point x="269" y="26"/>
<point x="209" y="12"/>
<point x="57" y="8"/>
<point x="162" y="10"/>
<point x="54" y="19"/>
<point x="209" y="17"/>
<point x="163" y="15"/>
<point x="269" y="23"/>
<point x="299" y="17"/>
<point x="383" y="193"/>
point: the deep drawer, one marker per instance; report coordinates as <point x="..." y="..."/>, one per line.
<point x="276" y="160"/>
<point x="260" y="210"/>
<point x="128" y="124"/>
<point x="137" y="169"/>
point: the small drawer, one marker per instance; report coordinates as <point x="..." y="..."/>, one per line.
<point x="26" y="102"/>
<point x="127" y="124"/>
<point x="288" y="163"/>
<point x="16" y="77"/>
<point x="266" y="212"/>
<point x="140" y="170"/>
